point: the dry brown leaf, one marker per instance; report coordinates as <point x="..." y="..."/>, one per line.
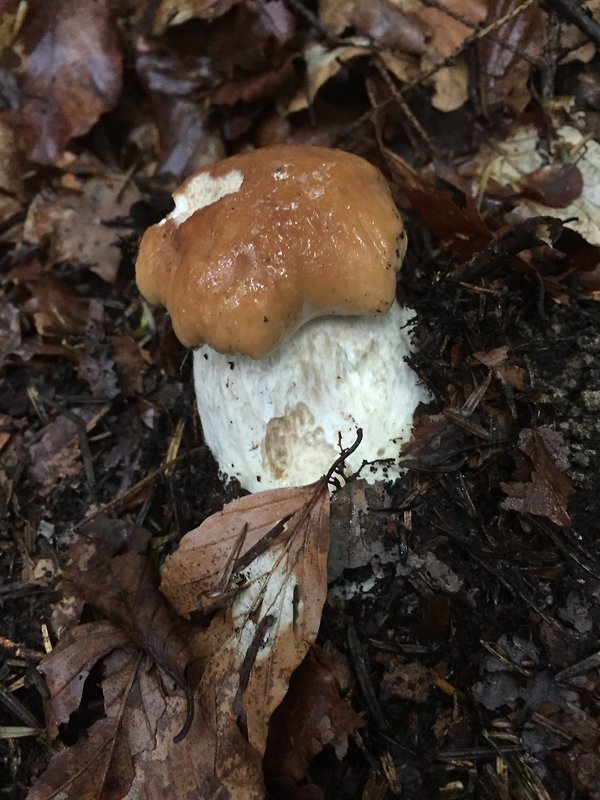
<point x="11" y="181"/>
<point x="187" y="141"/>
<point x="176" y="12"/>
<point x="511" y="160"/>
<point x="313" y="715"/>
<point x="322" y="64"/>
<point x="554" y="185"/>
<point x="504" y="72"/>
<point x="191" y="578"/>
<point x="74" y="224"/>
<point x="124" y="589"/>
<point x="459" y="228"/>
<point x="135" y="752"/>
<point x="446" y="32"/>
<point x="56" y="454"/>
<point x="451" y="87"/>
<point x="267" y="555"/>
<point x="264" y="86"/>
<point x="55" y="307"/>
<point x="152" y="710"/>
<point x="72" y="72"/>
<point x="498" y="360"/>
<point x="67" y="666"/>
<point x="76" y="773"/>
<point x="130" y="364"/>
<point x="132" y="753"/>
<point x="384" y="23"/>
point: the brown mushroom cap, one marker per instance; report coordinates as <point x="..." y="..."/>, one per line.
<point x="280" y="235"/>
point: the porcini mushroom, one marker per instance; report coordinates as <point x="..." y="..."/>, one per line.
<point x="279" y="267"/>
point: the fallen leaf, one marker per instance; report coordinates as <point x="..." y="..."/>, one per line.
<point x="459" y="227"/>
<point x="72" y="72"/>
<point x="312" y="716"/>
<point x="505" y="73"/>
<point x="78" y="772"/>
<point x="554" y="185"/>
<point x="451" y="87"/>
<point x="124" y="588"/>
<point x="406" y="681"/>
<point x="549" y="488"/>
<point x="447" y="32"/>
<point x="187" y="142"/>
<point x="56" y="309"/>
<point x="383" y="22"/>
<point x="83" y="228"/>
<point x="323" y="63"/>
<point x="130" y="364"/>
<point x="176" y="12"/>
<point x="67" y="666"/>
<point x="511" y="161"/>
<point x="11" y="181"/>
<point x="355" y="541"/>
<point x="56" y="454"/>
<point x="498" y="360"/>
<point x="266" y="554"/>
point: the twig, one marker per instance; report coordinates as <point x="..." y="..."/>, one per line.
<point x="123" y="498"/>
<point x="475" y="37"/>
<point x="475" y="26"/>
<point x="403" y="105"/>
<point x="14" y="705"/>
<point x="20" y="650"/>
<point x="361" y="669"/>
<point x="522" y="236"/>
<point x="118" y="721"/>
<point x="573" y="11"/>
<point x="573" y="671"/>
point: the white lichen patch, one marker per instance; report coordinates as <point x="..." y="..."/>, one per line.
<point x="201" y="191"/>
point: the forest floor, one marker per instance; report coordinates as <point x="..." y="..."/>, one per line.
<point x="458" y="651"/>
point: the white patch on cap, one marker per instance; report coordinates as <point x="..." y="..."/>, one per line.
<point x="201" y="191"/>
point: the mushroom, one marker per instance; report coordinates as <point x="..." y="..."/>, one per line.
<point x="279" y="267"/>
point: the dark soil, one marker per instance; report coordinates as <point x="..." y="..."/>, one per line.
<point x="471" y="623"/>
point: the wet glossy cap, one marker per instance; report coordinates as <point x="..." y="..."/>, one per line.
<point x="262" y="242"/>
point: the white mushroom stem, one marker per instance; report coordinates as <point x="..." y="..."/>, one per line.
<point x="277" y="421"/>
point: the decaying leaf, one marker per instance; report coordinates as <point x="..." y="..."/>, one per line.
<point x="459" y="227"/>
<point x="506" y="69"/>
<point x="386" y="23"/>
<point x="67" y="666"/>
<point x="499" y="362"/>
<point x="72" y="72"/>
<point x="56" y="454"/>
<point x="125" y="589"/>
<point x="176" y="12"/>
<point x="312" y="716"/>
<point x="549" y="488"/>
<point x="511" y="163"/>
<point x="267" y="555"/>
<point x="83" y="228"/>
<point x="78" y="772"/>
<point x="407" y="680"/>
<point x="447" y="31"/>
<point x="323" y="63"/>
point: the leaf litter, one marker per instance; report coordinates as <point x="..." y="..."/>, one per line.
<point x="457" y="633"/>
